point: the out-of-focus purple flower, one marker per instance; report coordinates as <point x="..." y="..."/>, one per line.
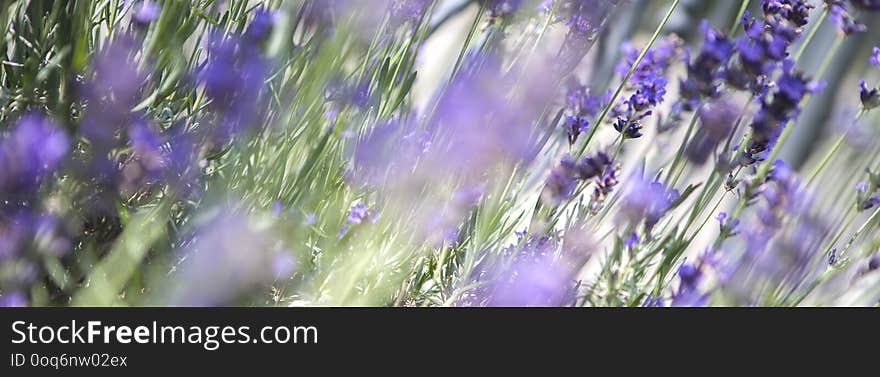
<point x="631" y="241"/>
<point x="309" y="220"/>
<point x="35" y="148"/>
<point x="403" y="11"/>
<point x="225" y="260"/>
<point x="867" y="195"/>
<point x="350" y="93"/>
<point x="875" y="57"/>
<point x="111" y="94"/>
<point x="584" y="19"/>
<point x="148" y="162"/>
<point x="653" y="302"/>
<point x="13" y="299"/>
<point x="387" y="153"/>
<point x="27" y="237"/>
<point x="688" y="293"/>
<point x="145" y="12"/>
<point x="534" y="271"/>
<point x="605" y="185"/>
<point x="277" y="208"/>
<point x="536" y="276"/>
<point x="261" y="26"/>
<point x="283" y="265"/>
<point x="565" y="178"/>
<point x="233" y="77"/>
<point x="870" y="96"/>
<point x="478" y="127"/>
<point x="870" y="5"/>
<point x="645" y="201"/>
<point x="727" y="227"/>
<point x="502" y="8"/>
<point x="535" y="282"/>
<point x="580" y="107"/>
<point x="874" y="262"/>
<point x="842" y="19"/>
<point x="315" y="13"/>
<point x="782" y="242"/>
<point x="717" y="119"/>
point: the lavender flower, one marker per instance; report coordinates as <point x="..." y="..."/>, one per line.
<point x="403" y="11"/>
<point x="147" y="162"/>
<point x="605" y="185"/>
<point x="647" y="83"/>
<point x="226" y="259"/>
<point x="145" y="12"/>
<point x="580" y="107"/>
<point x="631" y="241"/>
<point x="113" y="91"/>
<point x="688" y="293"/>
<point x="502" y="8"/>
<point x="765" y="44"/>
<point x="534" y="280"/>
<point x="782" y="241"/>
<point x="13" y="300"/>
<point x="584" y="19"/>
<point x="357" y="214"/>
<point x="717" y="119"/>
<point x="705" y="71"/>
<point x="538" y="271"/>
<point x="841" y="18"/>
<point x="34" y="150"/>
<point x="727" y="227"/>
<point x="233" y="77"/>
<point x="870" y="96"/>
<point x="875" y="57"/>
<point x="645" y="202"/>
<point x="868" y="193"/>
<point x="565" y="178"/>
<point x="777" y="108"/>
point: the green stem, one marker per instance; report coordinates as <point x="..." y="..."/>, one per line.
<point x="467" y="41"/>
<point x="681" y="148"/>
<point x="831" y="153"/>
<point x="739" y="15"/>
<point x="810" y="35"/>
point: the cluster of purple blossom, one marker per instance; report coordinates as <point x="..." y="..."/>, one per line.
<point x="118" y="156"/>
<point x="375" y="200"/>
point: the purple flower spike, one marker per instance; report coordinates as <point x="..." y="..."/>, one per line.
<point x="842" y="19"/>
<point x="146" y="12"/>
<point x="14" y="299"/>
<point x="403" y="11"/>
<point x="870" y="96"/>
<point x="717" y="119"/>
<point x="645" y="201"/>
<point x="35" y="149"/>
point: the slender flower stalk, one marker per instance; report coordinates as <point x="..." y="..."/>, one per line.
<point x="628" y="75"/>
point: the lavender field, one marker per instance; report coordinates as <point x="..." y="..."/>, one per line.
<point x="440" y="153"/>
